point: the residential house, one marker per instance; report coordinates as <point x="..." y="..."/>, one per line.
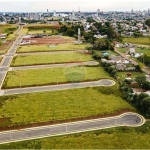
<point x="3" y="36"/>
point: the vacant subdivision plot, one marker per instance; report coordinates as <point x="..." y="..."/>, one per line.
<point x="51" y="47"/>
<point x="61" y="106"/>
<point x="38" y="77"/>
<point x="28" y="60"/>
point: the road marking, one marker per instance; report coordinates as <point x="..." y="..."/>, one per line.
<point x="66" y="132"/>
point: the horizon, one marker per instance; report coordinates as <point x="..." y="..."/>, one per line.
<point x="76" y="5"/>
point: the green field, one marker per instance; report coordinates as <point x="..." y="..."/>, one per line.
<point x="49" y="59"/>
<point x="11" y="37"/>
<point x="61" y="105"/>
<point x="146" y="50"/>
<point x="8" y="28"/>
<point x="123" y="75"/>
<point x="115" y="138"/>
<point x="122" y="50"/>
<point x="46" y="48"/>
<point x="40" y="31"/>
<point x="141" y="41"/>
<point x="36" y="77"/>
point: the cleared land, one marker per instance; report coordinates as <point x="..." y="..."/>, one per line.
<point x="61" y="105"/>
<point x="9" y="29"/>
<point x="46" y="48"/>
<point x="36" y="77"/>
<point x="142" y="41"/>
<point x="115" y="138"/>
<point x="28" y="60"/>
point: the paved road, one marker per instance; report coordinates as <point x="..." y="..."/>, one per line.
<point x="19" y="29"/>
<point x="104" y="82"/>
<point x="128" y="119"/>
<point x="7" y="59"/>
<point x="89" y="63"/>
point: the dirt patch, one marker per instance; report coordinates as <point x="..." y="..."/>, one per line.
<point x="5" y="46"/>
<point x="48" y="40"/>
<point x="19" y="127"/>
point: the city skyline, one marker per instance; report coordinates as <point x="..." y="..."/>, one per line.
<point x="84" y="5"/>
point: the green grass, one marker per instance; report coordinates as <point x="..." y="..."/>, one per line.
<point x="123" y="75"/>
<point x="40" y="31"/>
<point x="61" y="105"/>
<point x="46" y="48"/>
<point x="142" y="41"/>
<point x="114" y="138"/>
<point x="50" y="59"/>
<point x="11" y="37"/>
<point x="123" y="50"/>
<point x="35" y="77"/>
<point x="4" y="28"/>
<point x="146" y="50"/>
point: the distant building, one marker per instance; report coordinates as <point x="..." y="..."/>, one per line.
<point x="47" y="12"/>
<point x="98" y="12"/>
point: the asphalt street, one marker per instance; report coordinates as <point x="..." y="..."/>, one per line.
<point x="8" y="58"/>
<point x="93" y="63"/>
<point x="128" y="119"/>
<point x="104" y="82"/>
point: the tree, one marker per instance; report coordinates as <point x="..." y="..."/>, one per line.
<point x="147" y="22"/>
<point x="140" y="80"/>
<point x="70" y="32"/>
<point x="111" y="33"/>
<point x="145" y="85"/>
<point x="63" y="29"/>
<point x="103" y="44"/>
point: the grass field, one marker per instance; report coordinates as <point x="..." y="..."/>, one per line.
<point x="45" y="48"/>
<point x="141" y="41"/>
<point x="61" y="105"/>
<point x="115" y="138"/>
<point x="11" y="37"/>
<point x="123" y="75"/>
<point x="50" y="59"/>
<point x="40" y="31"/>
<point x="35" y="77"/>
<point x="146" y="50"/>
<point x="7" y="28"/>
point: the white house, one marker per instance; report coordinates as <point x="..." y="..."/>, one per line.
<point x="3" y="36"/>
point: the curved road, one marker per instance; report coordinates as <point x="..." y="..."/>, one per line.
<point x="104" y="82"/>
<point x="127" y="119"/>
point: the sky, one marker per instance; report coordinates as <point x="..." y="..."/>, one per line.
<point x="70" y="5"/>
